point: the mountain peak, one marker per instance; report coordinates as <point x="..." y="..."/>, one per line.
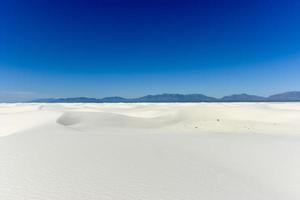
<point x="286" y="96"/>
<point x="242" y="97"/>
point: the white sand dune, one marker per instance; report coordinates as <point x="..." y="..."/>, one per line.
<point x="236" y="151"/>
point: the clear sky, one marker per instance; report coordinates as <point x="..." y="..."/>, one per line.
<point x="59" y="48"/>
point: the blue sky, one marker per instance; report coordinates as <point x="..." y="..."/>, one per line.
<point x="57" y="48"/>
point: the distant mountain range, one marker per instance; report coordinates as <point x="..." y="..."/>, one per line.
<point x="243" y="97"/>
<point x="282" y="97"/>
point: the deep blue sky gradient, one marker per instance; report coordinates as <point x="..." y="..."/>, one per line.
<point x="60" y="48"/>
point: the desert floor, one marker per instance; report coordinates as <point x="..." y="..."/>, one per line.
<point x="167" y="151"/>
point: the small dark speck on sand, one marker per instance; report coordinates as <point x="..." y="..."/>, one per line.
<point x="218" y="120"/>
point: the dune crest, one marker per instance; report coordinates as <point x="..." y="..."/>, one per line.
<point x="98" y="120"/>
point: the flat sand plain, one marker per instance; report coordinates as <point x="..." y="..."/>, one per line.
<point x="167" y="151"/>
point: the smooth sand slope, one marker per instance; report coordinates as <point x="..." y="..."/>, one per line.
<point x="188" y="151"/>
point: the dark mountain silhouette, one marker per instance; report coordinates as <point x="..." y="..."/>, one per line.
<point x="286" y="96"/>
<point x="113" y="99"/>
<point x="175" y="98"/>
<point x="67" y="100"/>
<point x="242" y="98"/>
<point x="283" y="97"/>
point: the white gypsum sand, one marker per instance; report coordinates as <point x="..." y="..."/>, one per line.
<point x="168" y="151"/>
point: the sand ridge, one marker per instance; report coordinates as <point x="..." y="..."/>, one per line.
<point x="206" y="117"/>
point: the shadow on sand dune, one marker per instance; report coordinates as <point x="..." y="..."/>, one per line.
<point x="92" y="120"/>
